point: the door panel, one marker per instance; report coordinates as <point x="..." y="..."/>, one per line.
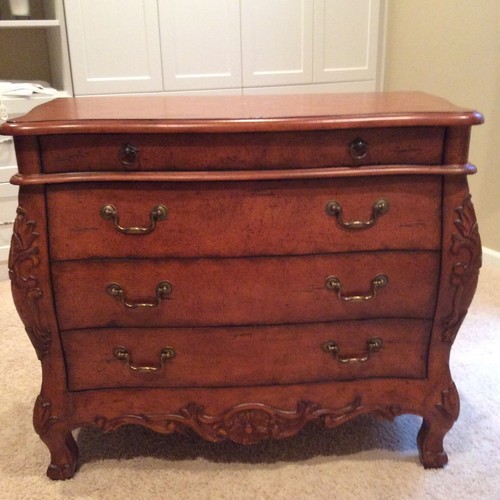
<point x="277" y="41"/>
<point x="114" y="48"/>
<point x="200" y="44"/>
<point x="345" y="40"/>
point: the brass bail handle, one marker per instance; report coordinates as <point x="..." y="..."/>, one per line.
<point x="375" y="344"/>
<point x="333" y="283"/>
<point x="157" y="214"/>
<point x="334" y="209"/>
<point x="122" y="354"/>
<point x="163" y="290"/>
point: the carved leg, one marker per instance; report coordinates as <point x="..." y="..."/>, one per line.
<point x="430" y="444"/>
<point x="56" y="435"/>
<point x="63" y="453"/>
<point x="434" y="428"/>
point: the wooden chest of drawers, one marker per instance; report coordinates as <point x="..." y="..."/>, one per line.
<point x="242" y="266"/>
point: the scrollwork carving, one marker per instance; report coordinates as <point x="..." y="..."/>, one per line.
<point x="247" y="423"/>
<point x="466" y="246"/>
<point x="449" y="406"/>
<point x="43" y="419"/>
<point x="23" y="261"/>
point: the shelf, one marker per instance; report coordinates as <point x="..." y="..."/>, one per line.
<point x="30" y="23"/>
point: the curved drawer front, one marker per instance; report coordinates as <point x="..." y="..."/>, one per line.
<point x="242" y="151"/>
<point x="243" y="356"/>
<point x="242" y="291"/>
<point x="244" y="218"/>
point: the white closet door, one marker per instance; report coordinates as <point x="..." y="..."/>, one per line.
<point x="200" y="44"/>
<point x="114" y="46"/>
<point x="345" y="40"/>
<point x="277" y="42"/>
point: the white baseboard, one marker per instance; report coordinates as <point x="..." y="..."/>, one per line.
<point x="491" y="253"/>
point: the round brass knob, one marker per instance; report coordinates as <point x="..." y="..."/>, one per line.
<point x="358" y="149"/>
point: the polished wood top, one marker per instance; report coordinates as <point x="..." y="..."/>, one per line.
<point x="173" y="114"/>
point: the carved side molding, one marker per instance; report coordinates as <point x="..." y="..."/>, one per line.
<point x="449" y="406"/>
<point x="247" y="423"/>
<point x="43" y="419"/>
<point x="23" y="263"/>
<point x="466" y="246"/>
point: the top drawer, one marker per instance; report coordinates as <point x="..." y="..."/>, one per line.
<point x="241" y="151"/>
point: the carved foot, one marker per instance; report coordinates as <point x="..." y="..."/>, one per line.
<point x="434" y="428"/>
<point x="430" y="446"/>
<point x="54" y="432"/>
<point x="63" y="457"/>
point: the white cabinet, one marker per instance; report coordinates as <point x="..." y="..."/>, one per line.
<point x="277" y="42"/>
<point x="291" y="42"/>
<point x="231" y="45"/>
<point x="8" y="200"/>
<point x="34" y="48"/>
<point x="345" y="40"/>
<point x="200" y="44"/>
<point x="114" y="46"/>
<point x="196" y="45"/>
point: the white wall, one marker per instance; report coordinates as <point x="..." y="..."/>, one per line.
<point x="451" y="48"/>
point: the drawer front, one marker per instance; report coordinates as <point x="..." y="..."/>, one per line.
<point x="242" y="151"/>
<point x="244" y="356"/>
<point x="243" y="291"/>
<point x="247" y="218"/>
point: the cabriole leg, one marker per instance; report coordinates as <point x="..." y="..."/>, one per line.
<point x="63" y="454"/>
<point x="436" y="424"/>
<point x="56" y="435"/>
<point x="430" y="444"/>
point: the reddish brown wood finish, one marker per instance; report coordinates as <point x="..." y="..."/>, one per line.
<point x="242" y="175"/>
<point x="231" y="114"/>
<point x="240" y="151"/>
<point x="247" y="246"/>
<point x="242" y="291"/>
<point x="208" y="219"/>
<point x="278" y="354"/>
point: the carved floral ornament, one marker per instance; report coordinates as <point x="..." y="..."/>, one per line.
<point x="466" y="246"/>
<point x="23" y="263"/>
<point x="244" y="424"/>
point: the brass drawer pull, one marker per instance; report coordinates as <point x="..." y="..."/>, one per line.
<point x="380" y="207"/>
<point x="333" y="283"/>
<point x="128" y="155"/>
<point x="122" y="354"/>
<point x="375" y="344"/>
<point x="358" y="148"/>
<point x="158" y="213"/>
<point x="163" y="290"/>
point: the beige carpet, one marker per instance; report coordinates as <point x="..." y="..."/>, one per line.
<point x="365" y="459"/>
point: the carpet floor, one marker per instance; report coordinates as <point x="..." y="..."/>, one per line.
<point x="364" y="459"/>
